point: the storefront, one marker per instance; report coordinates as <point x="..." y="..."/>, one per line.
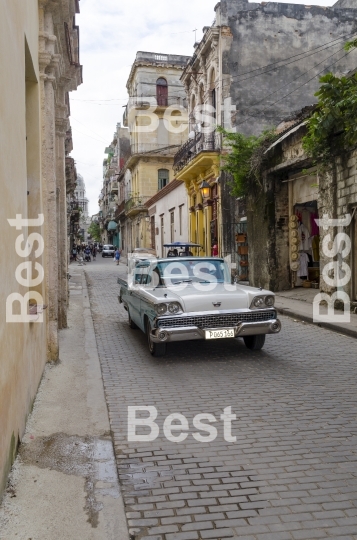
<point x="304" y="234"/>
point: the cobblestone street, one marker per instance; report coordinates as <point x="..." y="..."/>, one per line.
<point x="292" y="472"/>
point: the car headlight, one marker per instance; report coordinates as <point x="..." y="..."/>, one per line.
<point x="174" y="307"/>
<point x="259" y="302"/>
<point x="161" y="309"/>
<point x="269" y="301"/>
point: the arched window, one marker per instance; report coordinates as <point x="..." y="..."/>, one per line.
<point x="163" y="177"/>
<point x="162" y="92"/>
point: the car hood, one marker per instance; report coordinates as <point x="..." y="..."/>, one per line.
<point x="228" y="296"/>
<point x="204" y="299"/>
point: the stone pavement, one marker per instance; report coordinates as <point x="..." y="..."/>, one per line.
<point x="297" y="303"/>
<point x="290" y="475"/>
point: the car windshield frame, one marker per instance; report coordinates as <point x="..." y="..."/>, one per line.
<point x="181" y="271"/>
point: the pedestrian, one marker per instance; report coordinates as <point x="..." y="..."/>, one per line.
<point x="117" y="256"/>
<point x="94" y="253"/>
<point x="215" y="248"/>
<point x="87" y="254"/>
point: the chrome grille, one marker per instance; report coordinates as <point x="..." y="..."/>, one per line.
<point x="227" y="320"/>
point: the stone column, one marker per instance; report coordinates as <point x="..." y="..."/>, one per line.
<point x="48" y="156"/>
<point x="61" y="128"/>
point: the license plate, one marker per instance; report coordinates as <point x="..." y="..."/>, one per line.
<point x="220" y="334"/>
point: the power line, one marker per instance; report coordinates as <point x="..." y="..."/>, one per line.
<point x="305" y="54"/>
<point x="86" y="134"/>
<point x="276" y="65"/>
<point x="289" y="93"/>
<point x="75" y="119"/>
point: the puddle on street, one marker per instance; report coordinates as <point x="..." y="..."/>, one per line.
<point x="89" y="457"/>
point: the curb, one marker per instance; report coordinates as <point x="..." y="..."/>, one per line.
<point x="350" y="332"/>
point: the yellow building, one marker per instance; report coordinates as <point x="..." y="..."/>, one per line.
<point x="157" y="119"/>
<point x="198" y="165"/>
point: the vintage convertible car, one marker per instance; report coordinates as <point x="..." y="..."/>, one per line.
<point x="191" y="298"/>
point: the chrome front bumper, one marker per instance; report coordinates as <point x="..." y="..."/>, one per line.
<point x="189" y="333"/>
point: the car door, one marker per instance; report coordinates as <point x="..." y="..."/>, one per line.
<point x="135" y="292"/>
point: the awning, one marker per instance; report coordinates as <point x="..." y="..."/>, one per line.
<point x="112" y="226"/>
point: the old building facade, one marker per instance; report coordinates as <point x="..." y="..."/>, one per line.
<point x="156" y="118"/>
<point x="257" y="63"/>
<point x="117" y="154"/>
<point x="35" y="139"/>
<point x="290" y="238"/>
<point x="168" y="217"/>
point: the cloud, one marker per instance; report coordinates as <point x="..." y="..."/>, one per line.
<point x="111" y="32"/>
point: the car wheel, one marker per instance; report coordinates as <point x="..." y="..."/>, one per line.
<point x="103" y="255"/>
<point x="156" y="349"/>
<point x="254" y="343"/>
<point x="131" y="322"/>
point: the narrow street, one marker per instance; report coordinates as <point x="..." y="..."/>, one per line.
<point x="291" y="474"/>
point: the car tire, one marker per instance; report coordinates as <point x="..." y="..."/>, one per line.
<point x="103" y="255"/>
<point x="156" y="349"/>
<point x="131" y="322"/>
<point x="254" y="343"/>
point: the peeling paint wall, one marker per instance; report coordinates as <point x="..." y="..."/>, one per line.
<point x="268" y="214"/>
<point x="269" y="34"/>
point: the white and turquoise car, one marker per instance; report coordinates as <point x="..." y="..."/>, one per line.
<point x="191" y="298"/>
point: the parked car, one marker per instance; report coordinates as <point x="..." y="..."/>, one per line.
<point x="139" y="255"/>
<point x="193" y="298"/>
<point x="108" y="250"/>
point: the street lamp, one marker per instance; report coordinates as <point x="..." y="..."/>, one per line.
<point x="205" y="189"/>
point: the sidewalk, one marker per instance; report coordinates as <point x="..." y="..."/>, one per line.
<point x="64" y="482"/>
<point x="298" y="303"/>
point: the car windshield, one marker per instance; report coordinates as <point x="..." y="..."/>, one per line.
<point x="193" y="271"/>
<point x="108" y="247"/>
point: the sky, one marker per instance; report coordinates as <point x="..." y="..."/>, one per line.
<point x="111" y="32"/>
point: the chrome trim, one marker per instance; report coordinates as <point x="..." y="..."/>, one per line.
<point x="190" y="333"/>
<point x="221" y="312"/>
<point x="253" y="307"/>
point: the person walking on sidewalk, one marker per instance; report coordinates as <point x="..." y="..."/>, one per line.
<point x="117" y="256"/>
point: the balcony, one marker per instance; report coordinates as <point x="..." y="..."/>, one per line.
<point x="202" y="142"/>
<point x="154" y="149"/>
<point x="135" y="205"/>
<point x="113" y="187"/>
<point x="120" y="209"/>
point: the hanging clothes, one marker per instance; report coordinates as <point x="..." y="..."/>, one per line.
<point x="314" y="227"/>
<point x="304" y="237"/>
<point x="303" y="268"/>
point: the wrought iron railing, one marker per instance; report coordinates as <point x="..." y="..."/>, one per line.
<point x="136" y="203"/>
<point x="200" y="143"/>
<point x="120" y="208"/>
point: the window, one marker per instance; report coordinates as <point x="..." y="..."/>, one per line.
<point x="172" y="226"/>
<point x="180" y="219"/>
<point x="162" y="92"/>
<point x="163" y="176"/>
<point x="162" y="235"/>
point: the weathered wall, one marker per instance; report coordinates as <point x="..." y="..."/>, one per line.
<point x="268" y="233"/>
<point x="270" y="33"/>
<point x="345" y="4"/>
<point x="32" y="174"/>
<point x="268" y="214"/>
<point x="23" y="346"/>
